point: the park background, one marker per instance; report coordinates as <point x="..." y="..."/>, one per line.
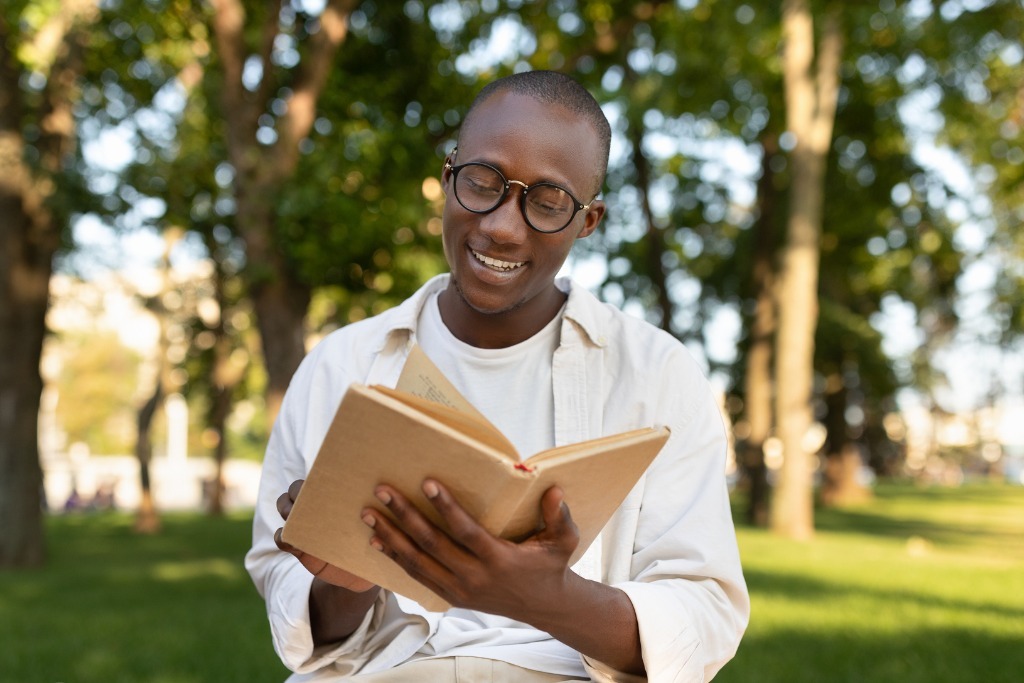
<point x="193" y="193"/>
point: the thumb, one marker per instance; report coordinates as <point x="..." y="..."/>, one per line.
<point x="558" y="524"/>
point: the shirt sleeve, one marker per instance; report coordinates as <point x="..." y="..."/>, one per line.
<point x="387" y="633"/>
<point x="685" y="580"/>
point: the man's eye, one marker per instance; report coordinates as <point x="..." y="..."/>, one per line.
<point x="553" y="210"/>
<point x="482" y="185"/>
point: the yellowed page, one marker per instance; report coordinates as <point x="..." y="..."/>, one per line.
<point x="420" y="377"/>
<point x="471" y="426"/>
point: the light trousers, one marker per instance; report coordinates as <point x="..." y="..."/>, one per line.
<point x="460" y="670"/>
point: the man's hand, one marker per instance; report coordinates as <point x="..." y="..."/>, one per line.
<point x="469" y="567"/>
<point x="327" y="573"/>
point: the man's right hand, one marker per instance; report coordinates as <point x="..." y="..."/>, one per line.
<point x="322" y="570"/>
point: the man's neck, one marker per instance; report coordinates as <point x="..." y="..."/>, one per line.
<point x="497" y="330"/>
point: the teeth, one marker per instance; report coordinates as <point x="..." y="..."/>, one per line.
<point x="495" y="263"/>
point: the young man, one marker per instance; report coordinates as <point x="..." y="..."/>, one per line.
<point x="660" y="594"/>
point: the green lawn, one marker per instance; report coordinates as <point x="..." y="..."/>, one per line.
<point x="918" y="586"/>
<point x="115" y="607"/>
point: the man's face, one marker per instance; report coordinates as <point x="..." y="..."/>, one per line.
<point x="499" y="264"/>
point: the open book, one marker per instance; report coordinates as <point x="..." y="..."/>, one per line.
<point x="425" y="428"/>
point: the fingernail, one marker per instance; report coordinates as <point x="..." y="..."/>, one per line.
<point x="376" y="545"/>
<point x="383" y="496"/>
<point x="369" y="520"/>
<point x="430" y="488"/>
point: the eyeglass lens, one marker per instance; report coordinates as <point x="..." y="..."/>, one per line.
<point x="480" y="188"/>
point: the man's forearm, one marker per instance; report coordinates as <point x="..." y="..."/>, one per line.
<point x="335" y="612"/>
<point x="596" y="620"/>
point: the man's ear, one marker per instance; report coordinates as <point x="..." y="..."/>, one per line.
<point x="446" y="174"/>
<point x="592" y="218"/>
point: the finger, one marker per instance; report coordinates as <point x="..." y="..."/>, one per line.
<point x="415" y="525"/>
<point x="463" y="527"/>
<point x="286" y="499"/>
<point x="281" y="544"/>
<point x="284" y="505"/>
<point x="314" y="565"/>
<point x="391" y="540"/>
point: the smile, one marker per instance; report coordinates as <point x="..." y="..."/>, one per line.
<point x="496" y="264"/>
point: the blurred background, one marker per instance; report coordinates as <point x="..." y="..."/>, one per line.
<point x="821" y="199"/>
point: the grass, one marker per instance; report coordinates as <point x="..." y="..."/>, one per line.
<point x="117" y="607"/>
<point x="919" y="585"/>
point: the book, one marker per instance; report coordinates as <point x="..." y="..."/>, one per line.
<point x="425" y="429"/>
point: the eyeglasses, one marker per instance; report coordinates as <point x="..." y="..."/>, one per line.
<point x="546" y="207"/>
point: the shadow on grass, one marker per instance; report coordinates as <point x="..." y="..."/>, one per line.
<point x="926" y="655"/>
<point x="946" y="648"/>
<point x="807" y="589"/>
<point x="114" y="606"/>
<point x="862" y="521"/>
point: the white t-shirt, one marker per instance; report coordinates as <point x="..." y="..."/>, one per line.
<point x="510" y="386"/>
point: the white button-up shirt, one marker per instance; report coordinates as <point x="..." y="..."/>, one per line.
<point x="670" y="546"/>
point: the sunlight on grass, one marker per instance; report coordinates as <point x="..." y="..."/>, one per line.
<point x="915" y="586"/>
<point x="199" y="569"/>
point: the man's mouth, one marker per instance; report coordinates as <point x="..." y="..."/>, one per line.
<point x="496" y="264"/>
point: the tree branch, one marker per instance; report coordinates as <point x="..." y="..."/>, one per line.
<point x="229" y="28"/>
<point x="830" y="54"/>
<point x="298" y="119"/>
<point x="271" y="27"/>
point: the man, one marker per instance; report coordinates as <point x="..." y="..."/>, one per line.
<point x="661" y="593"/>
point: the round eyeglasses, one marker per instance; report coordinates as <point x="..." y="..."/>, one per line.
<point x="481" y="188"/>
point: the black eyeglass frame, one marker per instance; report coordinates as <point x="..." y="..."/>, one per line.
<point x="577" y="204"/>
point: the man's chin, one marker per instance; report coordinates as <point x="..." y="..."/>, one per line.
<point x="483" y="305"/>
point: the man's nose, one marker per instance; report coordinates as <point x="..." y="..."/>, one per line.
<point x="506" y="224"/>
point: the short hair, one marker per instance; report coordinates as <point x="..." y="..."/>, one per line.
<point x="552" y="87"/>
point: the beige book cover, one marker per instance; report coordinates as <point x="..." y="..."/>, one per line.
<point x="425" y="428"/>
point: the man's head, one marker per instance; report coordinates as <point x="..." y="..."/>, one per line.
<point x="525" y="139"/>
<point x="553" y="88"/>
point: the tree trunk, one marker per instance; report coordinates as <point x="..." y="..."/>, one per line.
<point x="758" y="377"/>
<point x="652" y="234"/>
<point x="280" y="300"/>
<point x="224" y="378"/>
<point x="810" y="112"/>
<point x="30" y="236"/>
<point x="147" y="519"/>
<point x="26" y="252"/>
<point x="840" y="482"/>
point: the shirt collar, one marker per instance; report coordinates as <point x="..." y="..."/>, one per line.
<point x="582" y="308"/>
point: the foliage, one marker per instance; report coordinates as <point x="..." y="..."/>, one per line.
<point x="93" y="407"/>
<point x="697" y="187"/>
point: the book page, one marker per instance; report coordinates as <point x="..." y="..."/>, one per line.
<point x="420" y="377"/>
<point x="474" y="426"/>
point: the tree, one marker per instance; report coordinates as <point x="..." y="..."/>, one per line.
<point x="40" y="62"/>
<point x="280" y="299"/>
<point x="811" y="92"/>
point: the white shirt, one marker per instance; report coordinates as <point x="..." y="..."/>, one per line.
<point x="511" y="387"/>
<point x="670" y="546"/>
